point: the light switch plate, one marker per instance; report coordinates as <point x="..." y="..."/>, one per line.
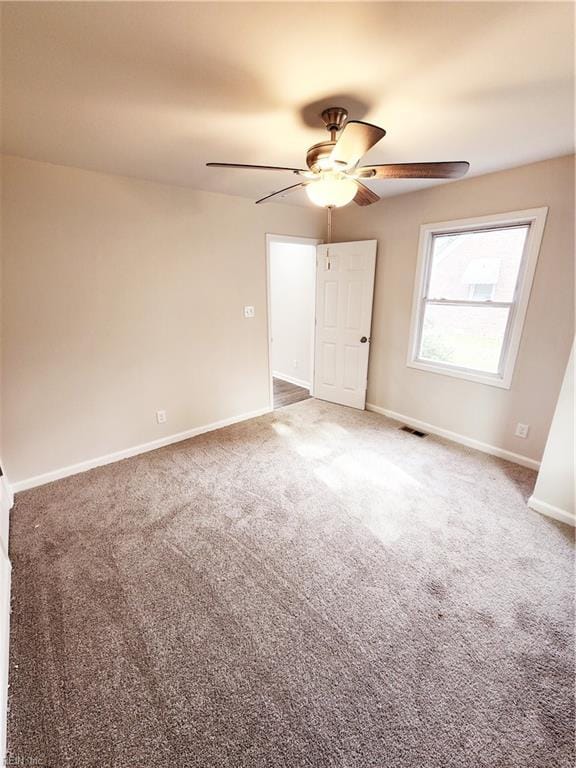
<point x="248" y="311"/>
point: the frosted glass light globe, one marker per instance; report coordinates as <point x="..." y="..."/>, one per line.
<point x="332" y="190"/>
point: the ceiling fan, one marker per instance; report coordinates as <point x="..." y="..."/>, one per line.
<point x="334" y="178"/>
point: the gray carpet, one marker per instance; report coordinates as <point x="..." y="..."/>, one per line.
<point x="311" y="588"/>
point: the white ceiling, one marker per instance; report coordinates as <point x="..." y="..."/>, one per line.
<point x="155" y="90"/>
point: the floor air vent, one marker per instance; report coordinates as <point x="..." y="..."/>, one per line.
<point x="412" y="431"/>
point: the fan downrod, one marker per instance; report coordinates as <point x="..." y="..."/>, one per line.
<point x="334" y="118"/>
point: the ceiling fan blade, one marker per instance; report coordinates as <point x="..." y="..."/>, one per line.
<point x="365" y="196"/>
<point x="281" y="191"/>
<point x="355" y="139"/>
<point x="414" y="171"/>
<point x="256" y="167"/>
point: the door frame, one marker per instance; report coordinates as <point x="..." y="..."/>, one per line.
<point x="272" y="238"/>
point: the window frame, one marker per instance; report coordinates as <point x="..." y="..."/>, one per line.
<point x="535" y="218"/>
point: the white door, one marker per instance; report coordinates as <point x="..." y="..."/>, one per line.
<point x="344" y="289"/>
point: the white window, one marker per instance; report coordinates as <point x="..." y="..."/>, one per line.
<point x="472" y="287"/>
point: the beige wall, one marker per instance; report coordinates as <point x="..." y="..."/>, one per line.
<point x="554" y="491"/>
<point x="484" y="413"/>
<point x="122" y="297"/>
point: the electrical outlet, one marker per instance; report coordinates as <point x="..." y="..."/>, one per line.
<point x="295" y="363"/>
<point x="161" y="417"/>
<point x="522" y="430"/>
<point x="248" y="311"/>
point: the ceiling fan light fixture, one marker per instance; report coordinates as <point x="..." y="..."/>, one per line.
<point x="332" y="190"/>
<point x="324" y="163"/>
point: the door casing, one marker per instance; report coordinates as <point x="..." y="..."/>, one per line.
<point x="271" y="238"/>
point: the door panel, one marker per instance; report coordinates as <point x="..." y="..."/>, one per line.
<point x="354" y="306"/>
<point x="330" y="303"/>
<point x="344" y="290"/>
<point x="351" y="365"/>
<point x="329" y="365"/>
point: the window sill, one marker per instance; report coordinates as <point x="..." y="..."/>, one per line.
<point x="457" y="373"/>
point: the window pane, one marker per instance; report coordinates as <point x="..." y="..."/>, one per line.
<point x="481" y="291"/>
<point x="468" y="337"/>
<point x="490" y="258"/>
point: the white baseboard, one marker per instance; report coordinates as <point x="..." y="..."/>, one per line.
<point x="291" y="379"/>
<point x="6" y="502"/>
<point x="5" y="578"/>
<point x="6" y="493"/>
<point x="551" y="511"/>
<point x="126" y="453"/>
<point x="470" y="442"/>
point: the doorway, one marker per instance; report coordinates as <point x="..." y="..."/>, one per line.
<point x="291" y="267"/>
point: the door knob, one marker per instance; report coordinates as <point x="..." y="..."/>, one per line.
<point x="363" y="340"/>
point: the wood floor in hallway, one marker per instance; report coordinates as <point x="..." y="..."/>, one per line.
<point x="286" y="393"/>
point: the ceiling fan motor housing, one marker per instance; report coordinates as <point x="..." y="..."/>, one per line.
<point x="318" y="156"/>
